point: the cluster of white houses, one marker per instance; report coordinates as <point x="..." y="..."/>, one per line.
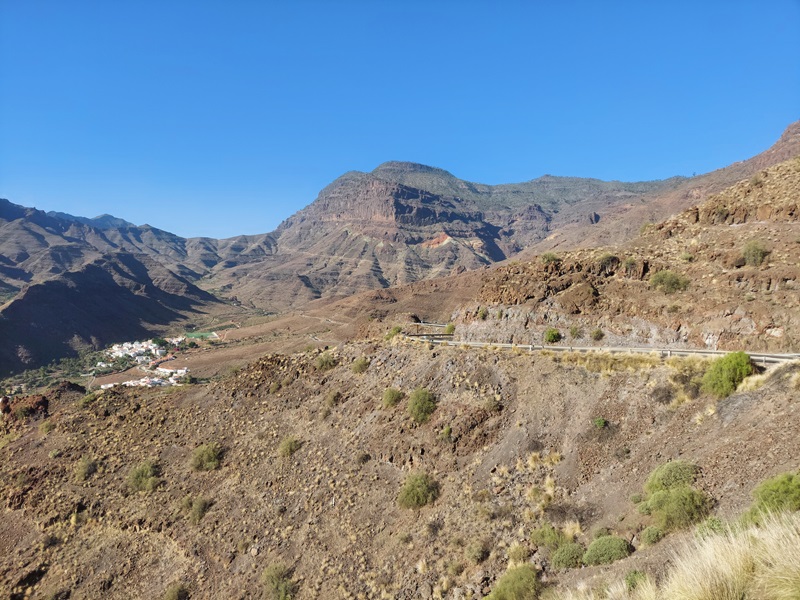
<point x="149" y="354"/>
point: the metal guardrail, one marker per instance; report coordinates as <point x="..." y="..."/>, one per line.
<point x="662" y="352"/>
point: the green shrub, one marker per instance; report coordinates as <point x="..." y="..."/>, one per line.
<point x="600" y="423"/>
<point x="418" y="490"/>
<point x="144" y="477"/>
<point x="393" y="332"/>
<point x="391" y="397"/>
<point x="678" y="507"/>
<point x="46" y="427"/>
<point x="550" y="258"/>
<point x="597" y="334"/>
<point x="633" y="579"/>
<point x="207" y="457"/>
<point x="517" y="583"/>
<point x="548" y="537"/>
<point x="671" y="474"/>
<point x="85" y="468"/>
<point x="711" y="526"/>
<point x="605" y="550"/>
<point x="198" y="510"/>
<point x="483" y="312"/>
<point x="568" y="556"/>
<point x="552" y="335"/>
<point x="651" y="535"/>
<point x="288" y="446"/>
<point x="277" y="582"/>
<point x="360" y="365"/>
<point x="325" y="362"/>
<point x="477" y="551"/>
<point x="726" y="373"/>
<point x="449" y="329"/>
<point x="421" y="405"/>
<point x="754" y="253"/>
<point x="332" y="398"/>
<point x="177" y="591"/>
<point x="780" y="493"/>
<point x="668" y="282"/>
<point x="608" y="261"/>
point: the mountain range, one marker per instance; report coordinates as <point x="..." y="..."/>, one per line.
<point x="401" y="223"/>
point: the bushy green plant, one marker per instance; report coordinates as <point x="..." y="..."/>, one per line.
<point x="552" y="335"/>
<point x="325" y="362"/>
<point x="449" y="329"/>
<point x="207" y="457"/>
<point x="671" y="474"/>
<point x="288" y="446"/>
<point x="754" y="253"/>
<point x="548" y="537"/>
<point x="144" y="477"/>
<point x="780" y="493"/>
<point x="568" y="556"/>
<point x="597" y="334"/>
<point x="633" y="579"/>
<point x="600" y="423"/>
<point x="418" y="490"/>
<point x="360" y="365"/>
<point x="477" y="551"/>
<point x="277" y="582"/>
<point x="668" y="282"/>
<point x="391" y="397"/>
<point x="575" y="332"/>
<point x="517" y="583"/>
<point x="678" y="507"/>
<point x="605" y="550"/>
<point x="710" y="526"/>
<point x="421" y="405"/>
<point x="483" y="312"/>
<point x="726" y="373"/>
<point x="652" y="535"/>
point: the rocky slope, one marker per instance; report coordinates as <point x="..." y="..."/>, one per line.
<point x="511" y="444"/>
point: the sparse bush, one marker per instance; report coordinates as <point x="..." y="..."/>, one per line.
<point x="207" y="457"/>
<point x="449" y="329"/>
<point x="726" y="373"/>
<point x="418" y="490"/>
<point x="391" y="397"/>
<point x="446" y="435"/>
<point x="393" y="332"/>
<point x="144" y="477"/>
<point x="288" y="446"/>
<point x="517" y="583"/>
<point x="360" y="365"/>
<point x="608" y="262"/>
<point x="274" y="387"/>
<point x="199" y="508"/>
<point x="668" y="282"/>
<point x="277" y="582"/>
<point x="711" y="526"/>
<point x="671" y="474"/>
<point x="606" y="550"/>
<point x="550" y="258"/>
<point x="568" y="556"/>
<point x="46" y="427"/>
<point x="633" y="579"/>
<point x="600" y="423"/>
<point x="754" y="253"/>
<point x="477" y="551"/>
<point x="325" y="362"/>
<point x="687" y="256"/>
<point x="549" y="537"/>
<point x="177" y="591"/>
<point x="517" y="553"/>
<point x="85" y="468"/>
<point x="552" y="336"/>
<point x="597" y="334"/>
<point x="651" y="535"/>
<point x="332" y="398"/>
<point x="483" y="312"/>
<point x="21" y="413"/>
<point x="421" y="405"/>
<point x="575" y="332"/>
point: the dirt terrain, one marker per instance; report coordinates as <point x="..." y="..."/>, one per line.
<point x="521" y="428"/>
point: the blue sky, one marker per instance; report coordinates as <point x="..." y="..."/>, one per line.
<point x="225" y="117"/>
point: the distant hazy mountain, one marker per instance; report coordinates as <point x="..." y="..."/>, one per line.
<point x="102" y="222"/>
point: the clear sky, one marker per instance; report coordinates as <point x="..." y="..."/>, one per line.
<point x="224" y="117"/>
